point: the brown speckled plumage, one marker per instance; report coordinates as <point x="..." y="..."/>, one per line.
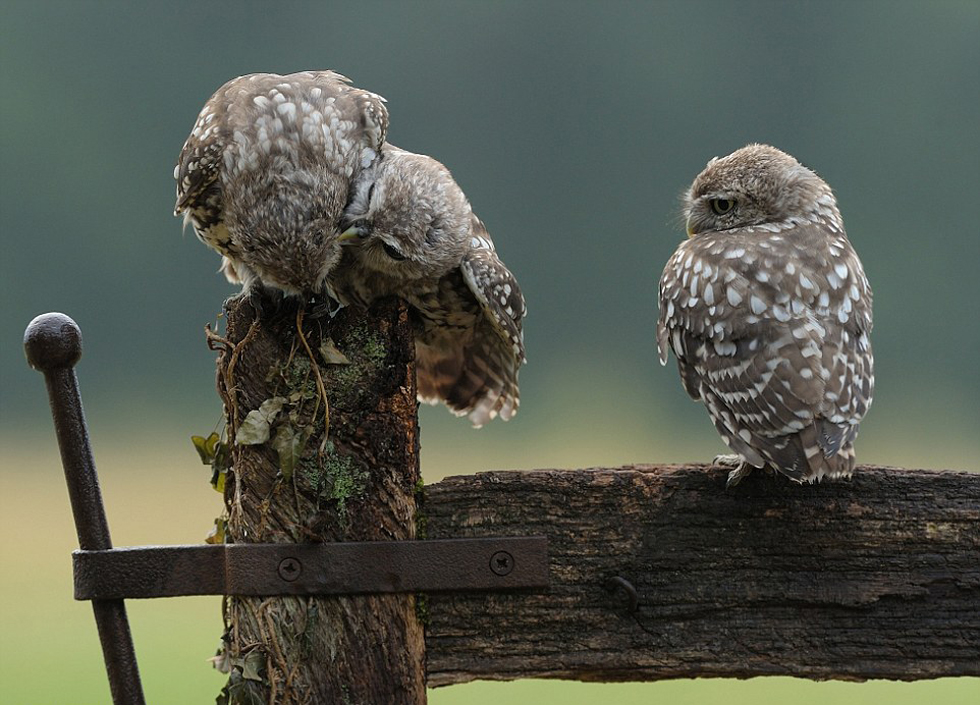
<point x="266" y="172"/>
<point x="768" y="312"/>
<point x="420" y="240"/>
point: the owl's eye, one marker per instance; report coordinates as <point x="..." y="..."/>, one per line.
<point x="392" y="252"/>
<point x="721" y="206"/>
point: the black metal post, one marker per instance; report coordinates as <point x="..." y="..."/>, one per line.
<point x="53" y="343"/>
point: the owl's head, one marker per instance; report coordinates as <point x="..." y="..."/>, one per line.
<point x="286" y="236"/>
<point x="755" y="185"/>
<point x="407" y="219"/>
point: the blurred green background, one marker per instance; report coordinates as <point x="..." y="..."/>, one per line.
<point x="573" y="127"/>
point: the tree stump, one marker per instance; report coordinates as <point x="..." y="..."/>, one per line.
<point x="284" y="482"/>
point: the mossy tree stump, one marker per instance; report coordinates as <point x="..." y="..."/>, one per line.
<point x="297" y="486"/>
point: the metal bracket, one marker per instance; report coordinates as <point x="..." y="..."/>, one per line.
<point x="312" y="569"/>
<point x="108" y="575"/>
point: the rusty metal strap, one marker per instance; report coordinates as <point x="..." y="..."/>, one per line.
<point x="312" y="569"/>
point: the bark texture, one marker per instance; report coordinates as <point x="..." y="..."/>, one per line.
<point x="878" y="577"/>
<point x="359" y="486"/>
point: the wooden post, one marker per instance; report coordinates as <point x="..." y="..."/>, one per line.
<point x="660" y="572"/>
<point x="358" y="485"/>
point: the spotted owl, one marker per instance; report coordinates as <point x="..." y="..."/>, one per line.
<point x="768" y="311"/>
<point x="410" y="232"/>
<point x="266" y="173"/>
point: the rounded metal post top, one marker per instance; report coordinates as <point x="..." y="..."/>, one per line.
<point x="52" y="341"/>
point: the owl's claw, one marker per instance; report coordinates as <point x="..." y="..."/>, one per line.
<point x="325" y="306"/>
<point x="727" y="460"/>
<point x="738" y="474"/>
<point x="740" y="468"/>
<point x="268" y="303"/>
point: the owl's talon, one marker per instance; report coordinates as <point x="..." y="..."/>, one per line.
<point x="325" y="306"/>
<point x="738" y="474"/>
<point x="740" y="468"/>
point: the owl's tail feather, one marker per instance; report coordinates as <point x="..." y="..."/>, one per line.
<point x="814" y="453"/>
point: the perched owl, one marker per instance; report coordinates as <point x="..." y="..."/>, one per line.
<point x="768" y="312"/>
<point x="411" y="233"/>
<point x="266" y="173"/>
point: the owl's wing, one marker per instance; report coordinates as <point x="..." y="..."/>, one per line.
<point x="491" y="360"/>
<point x="495" y="288"/>
<point x="199" y="166"/>
<point x="672" y="334"/>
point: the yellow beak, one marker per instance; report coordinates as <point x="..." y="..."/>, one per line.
<point x="351" y="234"/>
<point x="690" y="229"/>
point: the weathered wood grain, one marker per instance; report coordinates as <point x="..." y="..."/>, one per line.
<point x="877" y="577"/>
<point x="359" y="487"/>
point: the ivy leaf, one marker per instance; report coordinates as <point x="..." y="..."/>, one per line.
<point x="257" y="425"/>
<point x="253" y="665"/>
<point x="331" y="354"/>
<point x="238" y="691"/>
<point x="206" y="447"/>
<point x="220" y="465"/>
<point x="218" y="478"/>
<point x="289" y="444"/>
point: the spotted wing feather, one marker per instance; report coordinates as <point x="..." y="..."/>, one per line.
<point x="479" y="378"/>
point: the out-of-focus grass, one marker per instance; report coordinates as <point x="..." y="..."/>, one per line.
<point x="156" y="492"/>
<point x="756" y="691"/>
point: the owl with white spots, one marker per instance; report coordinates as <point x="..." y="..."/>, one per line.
<point x="768" y="312"/>
<point x="410" y="232"/>
<point x="267" y="171"/>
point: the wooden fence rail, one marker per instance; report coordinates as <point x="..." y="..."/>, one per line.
<point x="878" y="577"/>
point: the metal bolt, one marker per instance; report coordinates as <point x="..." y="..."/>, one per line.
<point x="289" y="569"/>
<point x="619" y="583"/>
<point x="501" y="563"/>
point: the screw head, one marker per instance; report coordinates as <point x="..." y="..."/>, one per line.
<point x="290" y="569"/>
<point x="501" y="563"/>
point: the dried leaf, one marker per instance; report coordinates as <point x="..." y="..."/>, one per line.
<point x="289" y="444"/>
<point x="217" y="533"/>
<point x="221" y="660"/>
<point x="258" y="423"/>
<point x="331" y="354"/>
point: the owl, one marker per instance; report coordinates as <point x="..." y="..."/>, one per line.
<point x="768" y="311"/>
<point x="266" y="173"/>
<point x="410" y="232"/>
